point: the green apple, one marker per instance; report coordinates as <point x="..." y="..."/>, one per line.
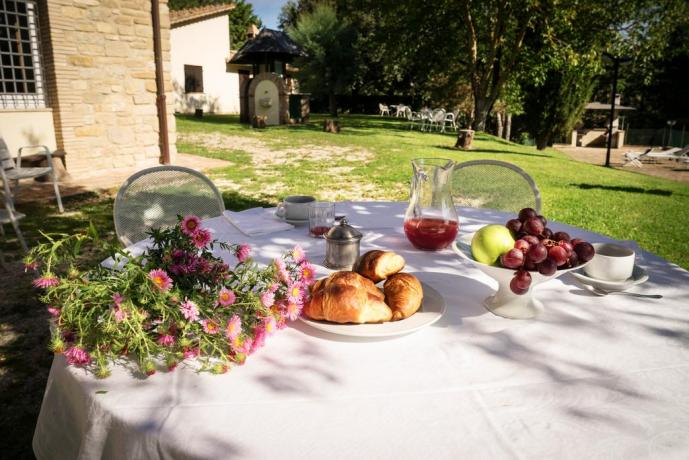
<point x="490" y="242"/>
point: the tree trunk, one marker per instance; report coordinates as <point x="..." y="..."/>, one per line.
<point x="481" y="109"/>
<point x="332" y="103"/>
<point x="498" y="131"/>
<point x="542" y="142"/>
<point x="508" y="126"/>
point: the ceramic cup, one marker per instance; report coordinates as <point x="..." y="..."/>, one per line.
<point x="612" y="262"/>
<point x="295" y="207"/>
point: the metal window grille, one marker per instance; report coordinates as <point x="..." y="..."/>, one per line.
<point x="21" y="75"/>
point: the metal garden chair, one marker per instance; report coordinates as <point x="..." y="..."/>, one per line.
<point x="495" y="185"/>
<point x="8" y="215"/>
<point x="384" y="109"/>
<point x="436" y="119"/>
<point x="154" y="197"/>
<point x="13" y="172"/>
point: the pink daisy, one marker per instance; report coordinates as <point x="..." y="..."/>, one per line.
<point x="46" y="281"/>
<point x="117" y="299"/>
<point x="293" y="310"/>
<point x="120" y="315"/>
<point x="210" y="326"/>
<point x="282" y="323"/>
<point x="160" y="279"/>
<point x="54" y="312"/>
<point x="295" y="293"/>
<point x="191" y="353"/>
<point x="246" y="346"/>
<point x="226" y="297"/>
<point x="77" y="356"/>
<point x="201" y="238"/>
<point x="190" y="225"/>
<point x="281" y="270"/>
<point x="234" y="327"/>
<point x="267" y="299"/>
<point x="298" y="254"/>
<point x="273" y="288"/>
<point x="306" y="273"/>
<point x="166" y="340"/>
<point x="189" y="310"/>
<point x="30" y="266"/>
<point x="259" y="338"/>
<point x="269" y="325"/>
<point x="243" y="252"/>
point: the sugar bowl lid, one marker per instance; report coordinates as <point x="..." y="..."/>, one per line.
<point x="343" y="232"/>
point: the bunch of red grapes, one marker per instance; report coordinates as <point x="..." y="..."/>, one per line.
<point x="538" y="248"/>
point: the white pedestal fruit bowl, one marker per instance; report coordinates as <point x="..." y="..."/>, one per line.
<point x="504" y="302"/>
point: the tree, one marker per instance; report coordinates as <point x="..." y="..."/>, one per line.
<point x="327" y="40"/>
<point x="241" y="17"/>
<point x="494" y="32"/>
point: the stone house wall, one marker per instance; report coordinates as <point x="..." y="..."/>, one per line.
<point x="100" y="76"/>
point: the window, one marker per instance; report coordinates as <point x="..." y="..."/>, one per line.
<point x="21" y="76"/>
<point x="193" y="79"/>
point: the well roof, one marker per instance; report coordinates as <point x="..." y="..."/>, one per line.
<point x="268" y="43"/>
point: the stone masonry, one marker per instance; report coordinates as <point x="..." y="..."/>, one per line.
<point x="100" y="77"/>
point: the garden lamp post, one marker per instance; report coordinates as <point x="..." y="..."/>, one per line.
<point x="670" y="123"/>
<point x="616" y="61"/>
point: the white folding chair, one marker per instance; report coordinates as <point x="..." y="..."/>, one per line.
<point x="384" y="109"/>
<point x="8" y="215"/>
<point x="495" y="185"/>
<point x="14" y="172"/>
<point x="154" y="197"/>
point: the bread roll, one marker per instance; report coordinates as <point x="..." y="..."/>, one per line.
<point x="347" y="297"/>
<point x="403" y="294"/>
<point x="378" y="265"/>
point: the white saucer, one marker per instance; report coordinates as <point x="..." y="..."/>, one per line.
<point x="291" y="221"/>
<point x="639" y="276"/>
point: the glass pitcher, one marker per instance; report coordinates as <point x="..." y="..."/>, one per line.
<point x="431" y="221"/>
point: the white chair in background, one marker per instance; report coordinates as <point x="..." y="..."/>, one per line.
<point x="384" y="110"/>
<point x="13" y="171"/>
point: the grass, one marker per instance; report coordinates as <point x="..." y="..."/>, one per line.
<point x="621" y="204"/>
<point x="370" y="159"/>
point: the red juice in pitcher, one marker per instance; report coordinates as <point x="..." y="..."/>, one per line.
<point x="431" y="234"/>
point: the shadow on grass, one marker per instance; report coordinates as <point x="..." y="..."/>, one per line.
<point x="235" y="201"/>
<point x="627" y="189"/>
<point x="499" y="152"/>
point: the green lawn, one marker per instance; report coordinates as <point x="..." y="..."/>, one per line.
<point x="370" y="159"/>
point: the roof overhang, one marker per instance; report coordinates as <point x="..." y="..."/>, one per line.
<point x="187" y="16"/>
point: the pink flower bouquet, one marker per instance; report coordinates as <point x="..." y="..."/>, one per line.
<point x="178" y="301"/>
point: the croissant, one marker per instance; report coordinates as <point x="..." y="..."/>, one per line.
<point x="347" y="297"/>
<point x="378" y="265"/>
<point x="403" y="294"/>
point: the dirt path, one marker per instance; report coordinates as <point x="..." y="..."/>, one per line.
<point x="667" y="169"/>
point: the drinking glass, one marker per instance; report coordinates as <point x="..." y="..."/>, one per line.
<point x="321" y="218"/>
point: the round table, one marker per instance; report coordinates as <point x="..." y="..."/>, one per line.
<point x="591" y="377"/>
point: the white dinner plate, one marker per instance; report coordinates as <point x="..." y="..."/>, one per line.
<point x="639" y="276"/>
<point x="432" y="309"/>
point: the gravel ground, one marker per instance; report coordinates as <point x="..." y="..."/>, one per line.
<point x="667" y="169"/>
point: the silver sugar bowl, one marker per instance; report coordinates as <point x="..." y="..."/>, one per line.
<point x="342" y="246"/>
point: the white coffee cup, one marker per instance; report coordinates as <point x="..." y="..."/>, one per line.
<point x="295" y="207"/>
<point x="612" y="262"/>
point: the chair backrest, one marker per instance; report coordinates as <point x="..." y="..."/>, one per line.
<point x="154" y="197"/>
<point x="438" y="115"/>
<point x="408" y="112"/>
<point x="382" y="106"/>
<point x="6" y="160"/>
<point x="494" y="184"/>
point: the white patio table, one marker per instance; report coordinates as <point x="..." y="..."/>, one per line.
<point x="592" y="377"/>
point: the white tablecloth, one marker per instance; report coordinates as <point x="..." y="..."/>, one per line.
<point x="592" y="377"/>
